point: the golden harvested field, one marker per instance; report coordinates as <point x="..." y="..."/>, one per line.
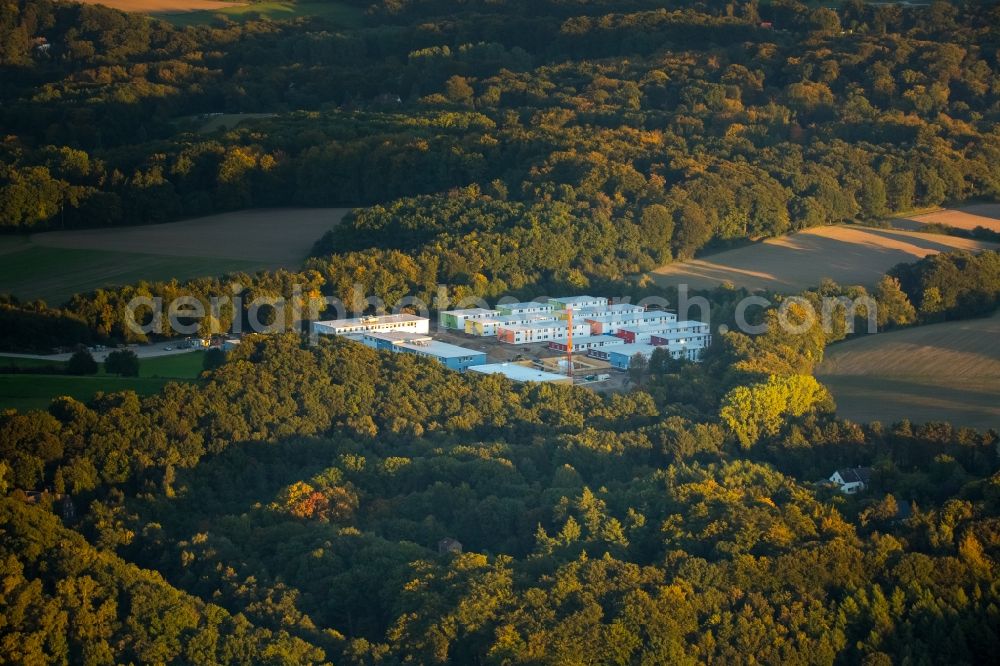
<point x="967" y="217"/>
<point x="846" y="254"/>
<point x="947" y="372"/>
<point x="163" y="6"/>
<point x="55" y="265"/>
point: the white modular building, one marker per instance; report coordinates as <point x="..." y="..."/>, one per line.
<point x="624" y="309"/>
<point x="388" y="339"/>
<point x="586" y="343"/>
<point x="524" y="309"/>
<point x="520" y="334"/>
<point x="521" y="373"/>
<point x="455" y="319"/>
<point x="621" y="356"/>
<point x="691" y="337"/>
<point x="578" y="302"/>
<point x="491" y="327"/>
<point x="372" y="324"/>
<point x="644" y="334"/>
<point x="610" y="324"/>
<point x="684" y="351"/>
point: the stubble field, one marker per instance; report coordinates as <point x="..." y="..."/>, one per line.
<point x="948" y="372"/>
<point x="847" y="254"/>
<point x="985" y="215"/>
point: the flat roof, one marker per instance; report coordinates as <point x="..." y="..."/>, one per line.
<point x="440" y="349"/>
<point x="526" y="304"/>
<point x="517" y="320"/>
<point x="396" y="336"/>
<point x="662" y="328"/>
<point x="612" y="308"/>
<point x="678" y="346"/>
<point x="471" y="311"/>
<point x="536" y="325"/>
<point x="590" y="339"/>
<point x="519" y="373"/>
<point x="632" y="349"/>
<point x="531" y="318"/>
<point x="578" y="299"/>
<point x="629" y="316"/>
<point x="372" y="320"/>
<point x="667" y="335"/>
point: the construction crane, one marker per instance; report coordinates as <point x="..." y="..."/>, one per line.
<point x="569" y="342"/>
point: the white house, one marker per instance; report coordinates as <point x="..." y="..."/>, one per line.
<point x="852" y="480"/>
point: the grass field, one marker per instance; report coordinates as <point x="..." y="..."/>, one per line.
<point x="947" y="371"/>
<point x="24" y="392"/>
<point x="846" y="254"/>
<point x="968" y="218"/>
<point x="196" y="12"/>
<point x="55" y="265"/>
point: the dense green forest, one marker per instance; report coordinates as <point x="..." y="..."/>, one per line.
<point x="288" y="508"/>
<point x="605" y="107"/>
<point x="293" y="502"/>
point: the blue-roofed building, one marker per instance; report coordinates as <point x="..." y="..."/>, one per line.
<point x="389" y="339"/>
<point x="620" y="356"/>
<point x="452" y="356"/>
